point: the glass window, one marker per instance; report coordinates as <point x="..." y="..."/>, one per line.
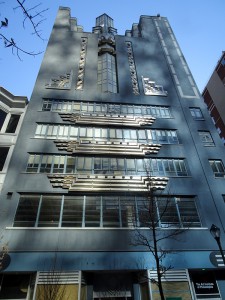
<point x="196" y="113"/>
<point x="38" y="130"/>
<point x="119" y="134"/>
<point x="47" y="104"/>
<point x="89" y="132"/>
<point x="27" y="210"/>
<point x="111" y="214"/>
<point x="126" y="134"/>
<point x="50" y="211"/>
<point x="84" y="164"/>
<point x="3" y="115"/>
<point x="149" y="135"/>
<point x="143" y="212"/>
<point x="72" y="211"/>
<point x="3" y="155"/>
<point x="76" y="107"/>
<point x="142" y="136"/>
<point x="92" y="211"/>
<point x="58" y="164"/>
<point x="70" y="166"/>
<point x="83" y="132"/>
<point x="106" y="211"/>
<point x="108" y="81"/>
<point x="188" y="212"/>
<point x="128" y="212"/>
<point x="46" y="164"/>
<point x="141" y="167"/>
<point x="112" y="133"/>
<point x="137" y="110"/>
<point x="168" y="214"/>
<point x="218" y="168"/>
<point x="130" y="166"/>
<point x="33" y="163"/>
<point x="105" y="165"/>
<point x="12" y="125"/>
<point x="73" y="132"/>
<point x="206" y="138"/>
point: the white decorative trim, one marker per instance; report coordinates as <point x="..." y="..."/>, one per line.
<point x="171" y="65"/>
<point x="152" y="89"/>
<point x="97" y="147"/>
<point x="107" y="182"/>
<point x="133" y="72"/>
<point x="81" y="67"/>
<point x="112" y="119"/>
<point x="62" y="82"/>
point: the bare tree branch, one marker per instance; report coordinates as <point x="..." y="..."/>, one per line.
<point x="10" y="43"/>
<point x="158" y="210"/>
<point x="33" y="15"/>
<point x="30" y="14"/>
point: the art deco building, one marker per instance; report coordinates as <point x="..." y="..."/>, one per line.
<point x="214" y="95"/>
<point x="110" y="117"/>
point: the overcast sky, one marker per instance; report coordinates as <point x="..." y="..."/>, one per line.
<point x="197" y="24"/>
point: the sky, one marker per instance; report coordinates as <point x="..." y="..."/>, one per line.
<point x="197" y="24"/>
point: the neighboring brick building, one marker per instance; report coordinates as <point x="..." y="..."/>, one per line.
<point x="214" y="96"/>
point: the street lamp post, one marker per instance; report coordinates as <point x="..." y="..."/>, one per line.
<point x="215" y="232"/>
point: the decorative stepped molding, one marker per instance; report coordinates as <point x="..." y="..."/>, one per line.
<point x="101" y="147"/>
<point x="107" y="183"/>
<point x="152" y="89"/>
<point x="103" y="119"/>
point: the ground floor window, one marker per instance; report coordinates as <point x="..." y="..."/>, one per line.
<point x="15" y="286"/>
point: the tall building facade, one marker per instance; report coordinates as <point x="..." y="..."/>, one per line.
<point x="110" y="116"/>
<point x="12" y="109"/>
<point x="214" y="94"/>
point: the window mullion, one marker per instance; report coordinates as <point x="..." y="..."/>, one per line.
<point x="178" y="212"/>
<point x="101" y="212"/>
<point x="39" y="163"/>
<point x="38" y="212"/>
<point x="61" y="211"/>
<point x="83" y="213"/>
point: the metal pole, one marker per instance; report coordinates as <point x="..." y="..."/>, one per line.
<point x="220" y="247"/>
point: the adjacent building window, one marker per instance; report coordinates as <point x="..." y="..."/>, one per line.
<point x="3" y="115"/>
<point x="71" y="132"/>
<point x="196" y="113"/>
<point x="206" y="138"/>
<point x="12" y="125"/>
<point x="104" y="211"/>
<point x="3" y="155"/>
<point x="217" y="167"/>
<point x="58" y="105"/>
<point x="38" y="163"/>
